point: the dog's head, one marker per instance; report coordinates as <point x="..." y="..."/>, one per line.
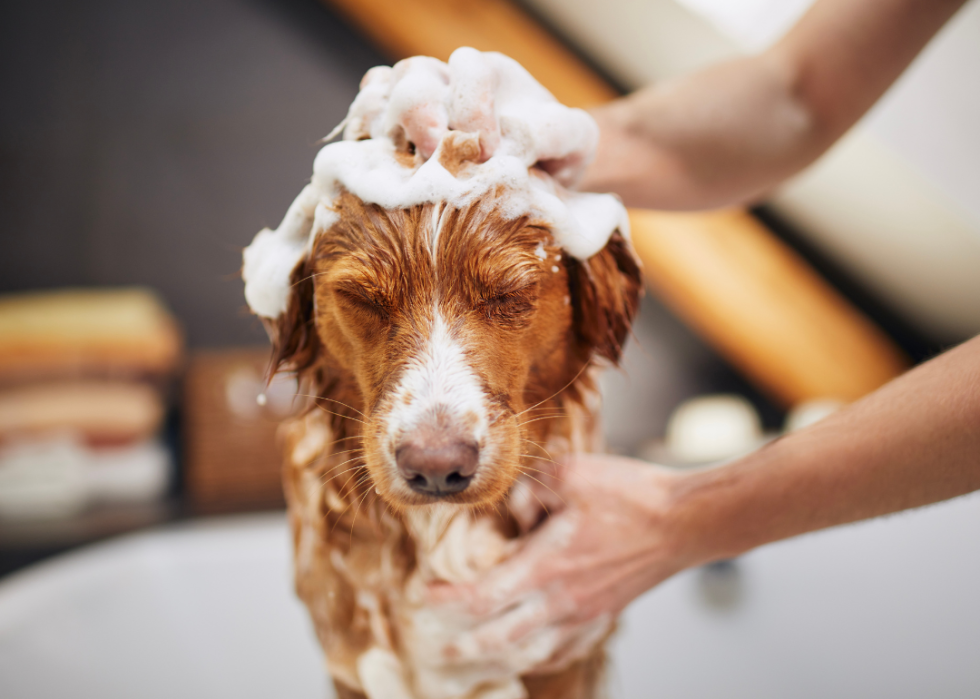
<point x="432" y="330"/>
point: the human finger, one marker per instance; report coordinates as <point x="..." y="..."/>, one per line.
<point x="578" y="640"/>
<point x="418" y="102"/>
<point x="368" y="107"/>
<point x="513" y="627"/>
<point x="471" y="106"/>
<point x="500" y="588"/>
<point x="530" y="568"/>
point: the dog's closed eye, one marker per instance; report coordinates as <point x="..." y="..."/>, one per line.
<point x="511" y="306"/>
<point x="364" y="298"/>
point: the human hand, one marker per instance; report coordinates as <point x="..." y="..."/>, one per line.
<point x="628" y="161"/>
<point x="558" y="594"/>
<point x="661" y="147"/>
<point x="722" y="136"/>
<point x="484" y="94"/>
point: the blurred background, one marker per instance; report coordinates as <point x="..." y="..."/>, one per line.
<point x="143" y="143"/>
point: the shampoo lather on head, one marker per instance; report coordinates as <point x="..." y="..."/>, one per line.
<point x="395" y="133"/>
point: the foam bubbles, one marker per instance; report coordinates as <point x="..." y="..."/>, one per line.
<point x="529" y="144"/>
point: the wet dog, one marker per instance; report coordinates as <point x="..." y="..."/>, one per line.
<point x="443" y="301"/>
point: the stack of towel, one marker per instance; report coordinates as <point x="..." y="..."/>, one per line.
<point x="83" y="382"/>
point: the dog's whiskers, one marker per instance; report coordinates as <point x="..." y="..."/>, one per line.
<point x="343" y="439"/>
<point x="337" y="475"/>
<point x="325" y="455"/>
<point x="353" y="458"/>
<point x="340" y="415"/>
<point x="347" y="451"/>
<point x="546" y="486"/>
<point x="349" y="503"/>
<point x="549" y="411"/>
<point x="367" y="491"/>
<point x="332" y="400"/>
<point x="540" y="458"/>
<point x="539" y="446"/>
<point x="549" y="474"/>
<point x="574" y="379"/>
<point x="537" y="419"/>
<point x="343" y="488"/>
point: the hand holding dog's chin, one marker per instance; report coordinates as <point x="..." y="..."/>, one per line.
<point x="608" y="540"/>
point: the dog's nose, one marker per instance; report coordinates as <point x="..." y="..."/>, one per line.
<point x="437" y="467"/>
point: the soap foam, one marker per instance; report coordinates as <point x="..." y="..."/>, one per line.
<point x="530" y="145"/>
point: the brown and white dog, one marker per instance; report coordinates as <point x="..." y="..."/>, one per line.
<point x="445" y="347"/>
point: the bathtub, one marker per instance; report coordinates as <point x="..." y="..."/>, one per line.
<point x="205" y="609"/>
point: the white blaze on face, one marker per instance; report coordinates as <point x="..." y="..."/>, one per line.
<point x="438" y="383"/>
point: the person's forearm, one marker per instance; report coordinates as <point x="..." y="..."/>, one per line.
<point x="915" y="441"/>
<point x="710" y="139"/>
<point x="729" y="134"/>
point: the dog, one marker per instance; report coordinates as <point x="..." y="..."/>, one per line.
<point x="444" y="301"/>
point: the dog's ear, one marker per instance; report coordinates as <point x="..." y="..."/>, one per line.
<point x="295" y="343"/>
<point x="605" y="293"/>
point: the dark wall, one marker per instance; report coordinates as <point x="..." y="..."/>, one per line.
<point x="146" y="141"/>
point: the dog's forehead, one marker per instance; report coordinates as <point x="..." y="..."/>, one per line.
<point x="440" y="241"/>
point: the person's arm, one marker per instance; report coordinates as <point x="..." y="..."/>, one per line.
<point x="729" y="134"/>
<point x="913" y="442"/>
<point x="626" y="526"/>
